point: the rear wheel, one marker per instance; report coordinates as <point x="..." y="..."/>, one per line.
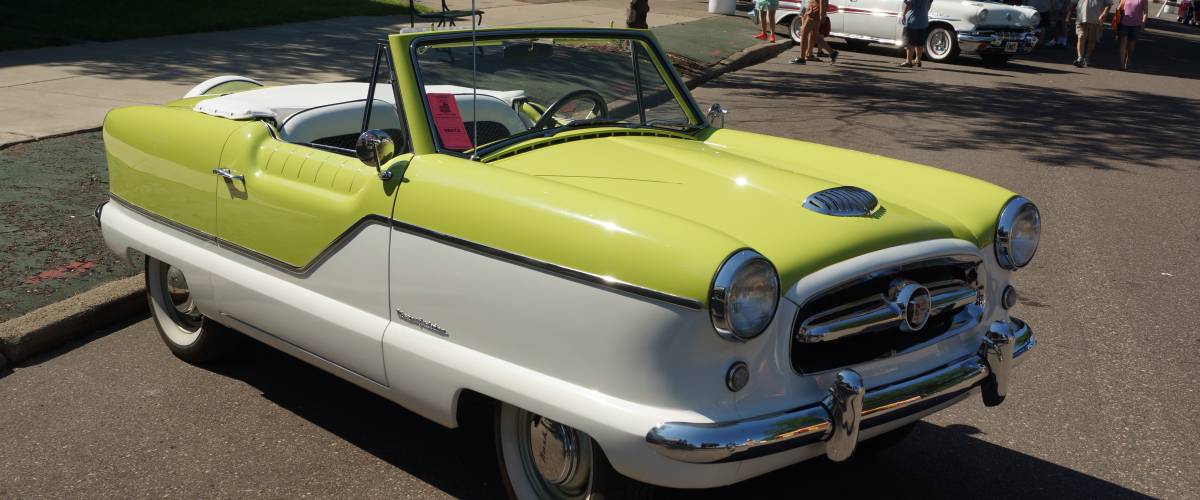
<point x="543" y="459"/>
<point x="942" y="44"/>
<point x="190" y="336"/>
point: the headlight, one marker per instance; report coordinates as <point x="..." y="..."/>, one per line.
<point x="1035" y="20"/>
<point x="1018" y="231"/>
<point x="982" y="16"/>
<point x="744" y="296"/>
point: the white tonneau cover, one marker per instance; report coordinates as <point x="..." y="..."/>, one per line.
<point x="280" y="103"/>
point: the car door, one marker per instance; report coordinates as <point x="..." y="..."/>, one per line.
<point x="877" y="19"/>
<point x="306" y="230"/>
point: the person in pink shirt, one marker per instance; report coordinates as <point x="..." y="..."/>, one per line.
<point x="1133" y="20"/>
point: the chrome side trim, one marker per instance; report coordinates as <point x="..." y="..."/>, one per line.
<point x="530" y="262"/>
<point x="849" y="36"/>
<point x="548" y="267"/>
<point x="718" y="442"/>
<point x="190" y="231"/>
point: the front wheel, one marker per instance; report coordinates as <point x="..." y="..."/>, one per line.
<point x="543" y="459"/>
<point x="190" y="336"/>
<point x="942" y="44"/>
<point x="995" y="59"/>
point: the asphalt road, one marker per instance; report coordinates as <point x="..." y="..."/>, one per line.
<point x="1106" y="406"/>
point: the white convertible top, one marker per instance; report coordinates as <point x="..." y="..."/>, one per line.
<point x="280" y="103"/>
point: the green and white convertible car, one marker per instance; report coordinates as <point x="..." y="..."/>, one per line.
<point x="544" y="222"/>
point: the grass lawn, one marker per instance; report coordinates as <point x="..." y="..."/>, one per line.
<point x="59" y="22"/>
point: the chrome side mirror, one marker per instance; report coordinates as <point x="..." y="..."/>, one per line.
<point x="375" y="148"/>
<point x="716" y="112"/>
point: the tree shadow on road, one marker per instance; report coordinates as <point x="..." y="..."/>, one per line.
<point x="1056" y="126"/>
<point x="934" y="462"/>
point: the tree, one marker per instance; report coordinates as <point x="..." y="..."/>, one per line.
<point x="635" y="16"/>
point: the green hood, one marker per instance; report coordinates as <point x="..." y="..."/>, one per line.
<point x="754" y="193"/>
<point x="664" y="212"/>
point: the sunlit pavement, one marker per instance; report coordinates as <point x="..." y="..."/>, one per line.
<point x="1105" y="407"/>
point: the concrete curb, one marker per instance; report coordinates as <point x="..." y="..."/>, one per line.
<point x="51" y="326"/>
<point x="747" y="57"/>
<point x="6" y="145"/>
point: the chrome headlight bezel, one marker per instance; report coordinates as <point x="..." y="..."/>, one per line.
<point x="1018" y="209"/>
<point x="732" y="276"/>
<point x="981" y="16"/>
<point x="1035" y="20"/>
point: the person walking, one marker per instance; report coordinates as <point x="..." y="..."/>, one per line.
<point x="1185" y="7"/>
<point x="810" y="33"/>
<point x="1089" y="27"/>
<point x="1133" y="17"/>
<point x="915" y="19"/>
<point x="766" y="11"/>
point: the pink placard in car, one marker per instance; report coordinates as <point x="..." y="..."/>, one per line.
<point x="449" y="122"/>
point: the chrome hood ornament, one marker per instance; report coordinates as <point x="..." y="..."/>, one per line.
<point x="843" y="201"/>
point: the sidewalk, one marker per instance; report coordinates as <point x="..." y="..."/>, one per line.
<point x="59" y="90"/>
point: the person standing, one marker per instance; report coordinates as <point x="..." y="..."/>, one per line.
<point x="915" y="19"/>
<point x="1133" y="18"/>
<point x="766" y="11"/>
<point x="810" y="33"/>
<point x="1089" y="27"/>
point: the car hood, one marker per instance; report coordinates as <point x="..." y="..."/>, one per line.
<point x="751" y="188"/>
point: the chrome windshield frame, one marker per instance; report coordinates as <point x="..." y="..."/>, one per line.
<point x="672" y="78"/>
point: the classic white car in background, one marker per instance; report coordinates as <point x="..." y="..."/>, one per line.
<point x="993" y="31"/>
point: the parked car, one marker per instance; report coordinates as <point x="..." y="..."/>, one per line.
<point x="563" y="236"/>
<point x="993" y="31"/>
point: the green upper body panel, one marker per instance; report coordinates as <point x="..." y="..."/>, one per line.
<point x="660" y="211"/>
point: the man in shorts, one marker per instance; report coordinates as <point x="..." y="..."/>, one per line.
<point x="1089" y="27"/>
<point x="915" y="19"/>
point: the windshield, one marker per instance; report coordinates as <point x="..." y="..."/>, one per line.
<point x="535" y="87"/>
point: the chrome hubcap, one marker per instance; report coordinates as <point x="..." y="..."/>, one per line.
<point x="556" y="458"/>
<point x="180" y="296"/>
<point x="939" y="43"/>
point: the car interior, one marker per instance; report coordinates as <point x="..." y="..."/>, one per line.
<point x="329" y="115"/>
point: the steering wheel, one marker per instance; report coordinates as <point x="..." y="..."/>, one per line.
<point x="599" y="107"/>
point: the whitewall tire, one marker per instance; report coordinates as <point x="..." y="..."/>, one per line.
<point x="795" y="26"/>
<point x="190" y="336"/>
<point x="941" y="44"/>
<point x="543" y="459"/>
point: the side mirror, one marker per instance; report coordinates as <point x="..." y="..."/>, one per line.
<point x="375" y="148"/>
<point x="716" y="112"/>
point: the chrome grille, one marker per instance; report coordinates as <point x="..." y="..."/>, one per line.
<point x="844" y="201"/>
<point x="859" y="320"/>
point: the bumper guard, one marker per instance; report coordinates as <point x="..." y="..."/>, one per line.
<point x="848" y="407"/>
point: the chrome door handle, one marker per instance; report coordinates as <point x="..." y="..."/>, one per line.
<point x="228" y="175"/>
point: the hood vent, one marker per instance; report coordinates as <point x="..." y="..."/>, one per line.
<point x="844" y="201"/>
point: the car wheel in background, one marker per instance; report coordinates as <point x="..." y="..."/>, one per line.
<point x="543" y="459"/>
<point x="995" y="59"/>
<point x="190" y="336"/>
<point x="797" y="22"/>
<point x="942" y="44"/>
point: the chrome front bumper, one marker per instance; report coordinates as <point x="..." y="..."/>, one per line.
<point x="994" y="42"/>
<point x="837" y="419"/>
